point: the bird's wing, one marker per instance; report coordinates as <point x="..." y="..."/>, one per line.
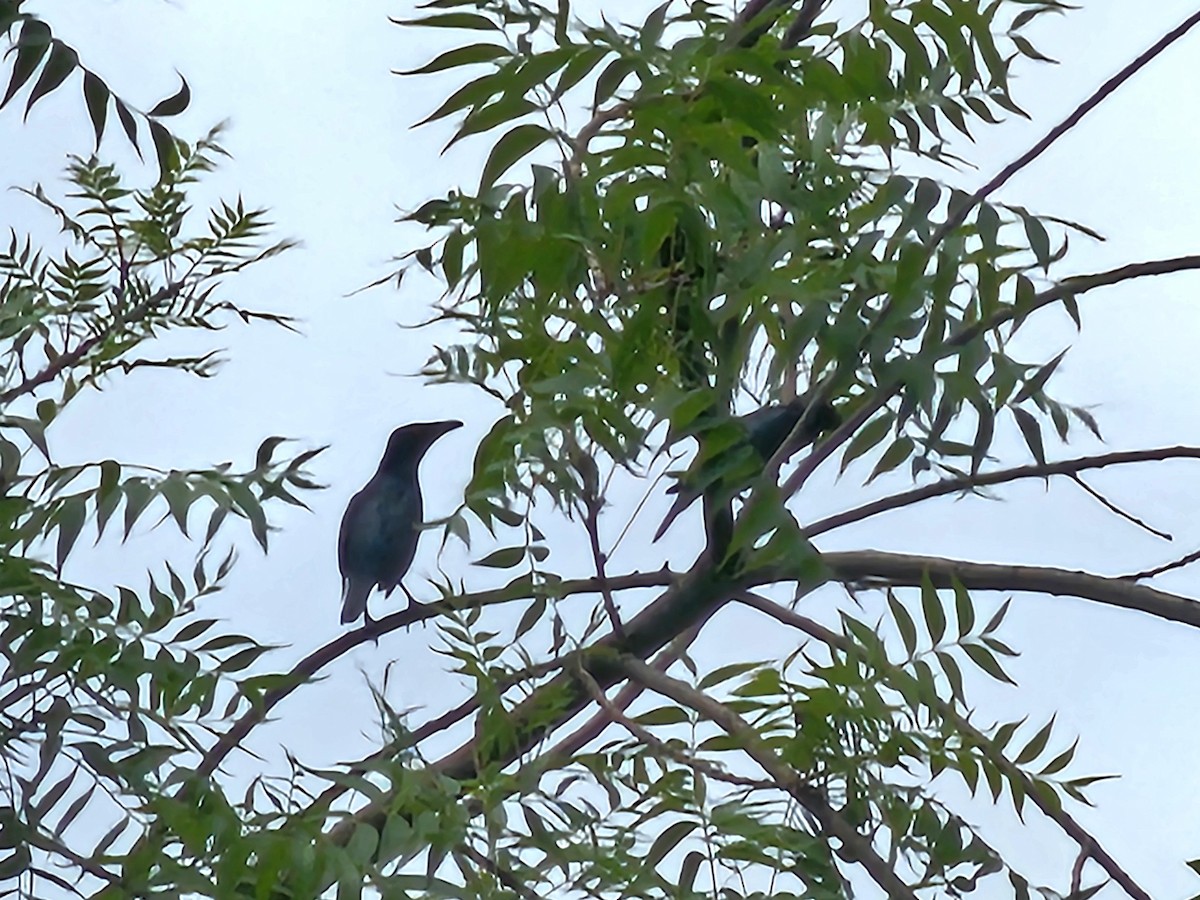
<point x="351" y="531"/>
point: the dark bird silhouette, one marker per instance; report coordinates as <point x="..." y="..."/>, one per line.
<point x="381" y="527"/>
<point x="766" y="429"/>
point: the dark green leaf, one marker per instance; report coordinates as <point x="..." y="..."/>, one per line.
<point x="505" y="558"/>
<point x="470" y="55"/>
<point x="31" y="46"/>
<point x="1032" y="433"/>
<point x="516" y="144"/>
<point x="95" y="96"/>
<point x="62" y="62"/>
<point x="1036" y="744"/>
<point x="176" y="103"/>
<point x="931" y="605"/>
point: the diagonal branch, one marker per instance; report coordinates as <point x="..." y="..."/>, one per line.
<point x="957" y="485"/>
<point x="1117" y="511"/>
<point x="1098" y="96"/>
<point x="854" y="846"/>
<point x="1087" y="842"/>
<point x="700" y="766"/>
<point x="889" y="388"/>
<point x="340" y="646"/>
<point x="74" y="356"/>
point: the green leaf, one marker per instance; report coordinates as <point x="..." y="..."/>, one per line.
<point x="63" y="61"/>
<point x="900" y="450"/>
<point x="451" y="20"/>
<point x="472" y="54"/>
<point x="931" y="605"/>
<point x="1032" y="432"/>
<point x="262" y="459"/>
<point x="904" y="623"/>
<point x="867" y="437"/>
<point x="95" y="96"/>
<point x="31" y="46"/>
<point x="128" y="123"/>
<point x="963" y="607"/>
<point x="505" y="558"/>
<point x="1061" y="761"/>
<point x="176" y="103"/>
<point x="166" y="148"/>
<point x="982" y="658"/>
<point x="515" y="145"/>
<point x="664" y="715"/>
<point x="652" y="28"/>
<point x="1039" y="379"/>
<point x="610" y="79"/>
<point x="532" y="615"/>
<point x="667" y="841"/>
<point x="70" y="521"/>
<point x="724" y="673"/>
<point x="997" y="618"/>
<point x="1036" y="745"/>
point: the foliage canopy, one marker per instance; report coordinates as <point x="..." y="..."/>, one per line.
<point x="707" y="213"/>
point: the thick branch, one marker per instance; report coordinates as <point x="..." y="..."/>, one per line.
<point x="340" y="646"/>
<point x="672" y="618"/>
<point x="874" y="567"/>
<point x="854" y="847"/>
<point x="987" y="479"/>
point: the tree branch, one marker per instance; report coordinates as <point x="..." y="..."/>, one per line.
<point x="855" y="846"/>
<point x="73" y="357"/>
<point x="701" y="766"/>
<point x="987" y="479"/>
<point x="323" y="656"/>
<point x="1098" y="96"/>
<point x="1088" y="844"/>
<point x="887" y="389"/>
<point x="875" y="567"/>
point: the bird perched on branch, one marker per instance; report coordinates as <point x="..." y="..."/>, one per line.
<point x="381" y="527"/>
<point x="765" y="431"/>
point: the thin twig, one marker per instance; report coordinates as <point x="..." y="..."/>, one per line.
<point x="1159" y="570"/>
<point x="802" y="25"/>
<point x="72" y="357"/>
<point x="502" y="874"/>
<point x="987" y="479"/>
<point x="1098" y="96"/>
<point x="1116" y="510"/>
<point x="700" y="766"/>
<point x="889" y="388"/>
<point x="592" y="504"/>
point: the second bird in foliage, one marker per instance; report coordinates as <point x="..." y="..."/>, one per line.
<point x="766" y="429"/>
<point x="381" y="527"/>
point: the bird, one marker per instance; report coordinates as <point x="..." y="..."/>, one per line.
<point x="766" y="429"/>
<point x="381" y="526"/>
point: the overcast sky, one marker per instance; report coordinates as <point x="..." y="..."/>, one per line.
<point x="320" y="134"/>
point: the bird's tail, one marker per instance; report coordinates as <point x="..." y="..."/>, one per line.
<point x="354" y="599"/>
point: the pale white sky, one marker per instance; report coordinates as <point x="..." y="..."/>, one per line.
<point x="319" y="131"/>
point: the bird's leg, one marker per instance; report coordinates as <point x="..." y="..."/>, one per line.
<point x="368" y="621"/>
<point x="412" y="601"/>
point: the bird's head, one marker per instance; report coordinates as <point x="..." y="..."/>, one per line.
<point x="408" y="443"/>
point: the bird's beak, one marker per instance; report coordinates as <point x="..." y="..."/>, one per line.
<point x="446" y="426"/>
